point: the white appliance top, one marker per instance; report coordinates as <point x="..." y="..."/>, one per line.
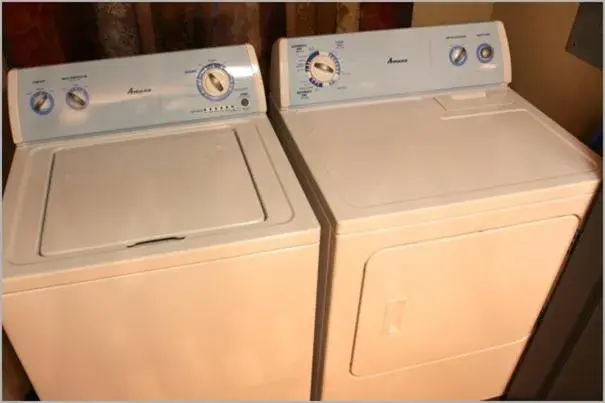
<point x="144" y="194"/>
<point x="91" y="190"/>
<point x="374" y="148"/>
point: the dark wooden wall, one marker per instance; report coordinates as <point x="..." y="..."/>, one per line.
<point x="46" y="33"/>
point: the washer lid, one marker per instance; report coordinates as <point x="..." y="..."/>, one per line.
<point x="136" y="191"/>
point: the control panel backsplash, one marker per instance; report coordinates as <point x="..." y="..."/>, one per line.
<point x="393" y="62"/>
<point x="124" y="93"/>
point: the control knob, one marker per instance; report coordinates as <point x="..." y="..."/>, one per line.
<point x="214" y="82"/>
<point x="458" y="55"/>
<point x="42" y="102"/>
<point x="77" y="98"/>
<point x="323" y="69"/>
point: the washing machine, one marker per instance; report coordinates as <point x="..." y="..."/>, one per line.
<point x="448" y="204"/>
<point x="157" y="244"/>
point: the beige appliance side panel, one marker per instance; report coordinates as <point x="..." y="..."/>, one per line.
<point x="238" y="328"/>
<point x="452" y="298"/>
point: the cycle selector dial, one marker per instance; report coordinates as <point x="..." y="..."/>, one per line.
<point x="458" y="55"/>
<point x="77" y="98"/>
<point x="42" y="102"/>
<point x="322" y="68"/>
<point x="214" y="82"/>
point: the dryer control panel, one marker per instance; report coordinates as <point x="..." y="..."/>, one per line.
<point x="132" y="92"/>
<point x="331" y="68"/>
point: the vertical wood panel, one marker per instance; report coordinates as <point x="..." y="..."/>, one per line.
<point x="145" y="25"/>
<point x="31" y="35"/>
<point x="300" y="19"/>
<point x="118" y="30"/>
<point x="78" y="31"/>
<point x="376" y="16"/>
<point x="347" y="17"/>
<point x="272" y="27"/>
<point x="237" y="23"/>
<point x="429" y="14"/>
<point x="180" y="26"/>
<point x="325" y="18"/>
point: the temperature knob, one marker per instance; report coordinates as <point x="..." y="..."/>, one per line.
<point x="214" y="83"/>
<point x="77" y="98"/>
<point x="485" y="53"/>
<point x="323" y="69"/>
<point x="458" y="55"/>
<point x="42" y="102"/>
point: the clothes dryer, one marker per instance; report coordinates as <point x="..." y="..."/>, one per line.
<point x="448" y="205"/>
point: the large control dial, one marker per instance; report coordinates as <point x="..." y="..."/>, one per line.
<point x="322" y="68"/>
<point x="77" y="98"/>
<point x="214" y="82"/>
<point x="42" y="102"/>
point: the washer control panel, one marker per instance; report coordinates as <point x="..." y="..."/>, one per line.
<point x="374" y="64"/>
<point x="128" y="93"/>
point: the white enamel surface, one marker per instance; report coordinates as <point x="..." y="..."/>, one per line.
<point x="124" y="193"/>
<point x="259" y="206"/>
<point x="367" y="163"/>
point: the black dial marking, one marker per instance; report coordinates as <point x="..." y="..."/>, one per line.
<point x="323" y="67"/>
<point x="76" y="99"/>
<point x="215" y="81"/>
<point x="40" y="101"/>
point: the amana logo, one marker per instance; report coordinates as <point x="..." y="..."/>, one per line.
<point x="135" y="91"/>
<point x="392" y="61"/>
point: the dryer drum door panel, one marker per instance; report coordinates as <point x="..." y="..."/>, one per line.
<point x="457" y="297"/>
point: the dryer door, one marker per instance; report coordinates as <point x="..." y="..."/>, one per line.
<point x="455" y="298"/>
